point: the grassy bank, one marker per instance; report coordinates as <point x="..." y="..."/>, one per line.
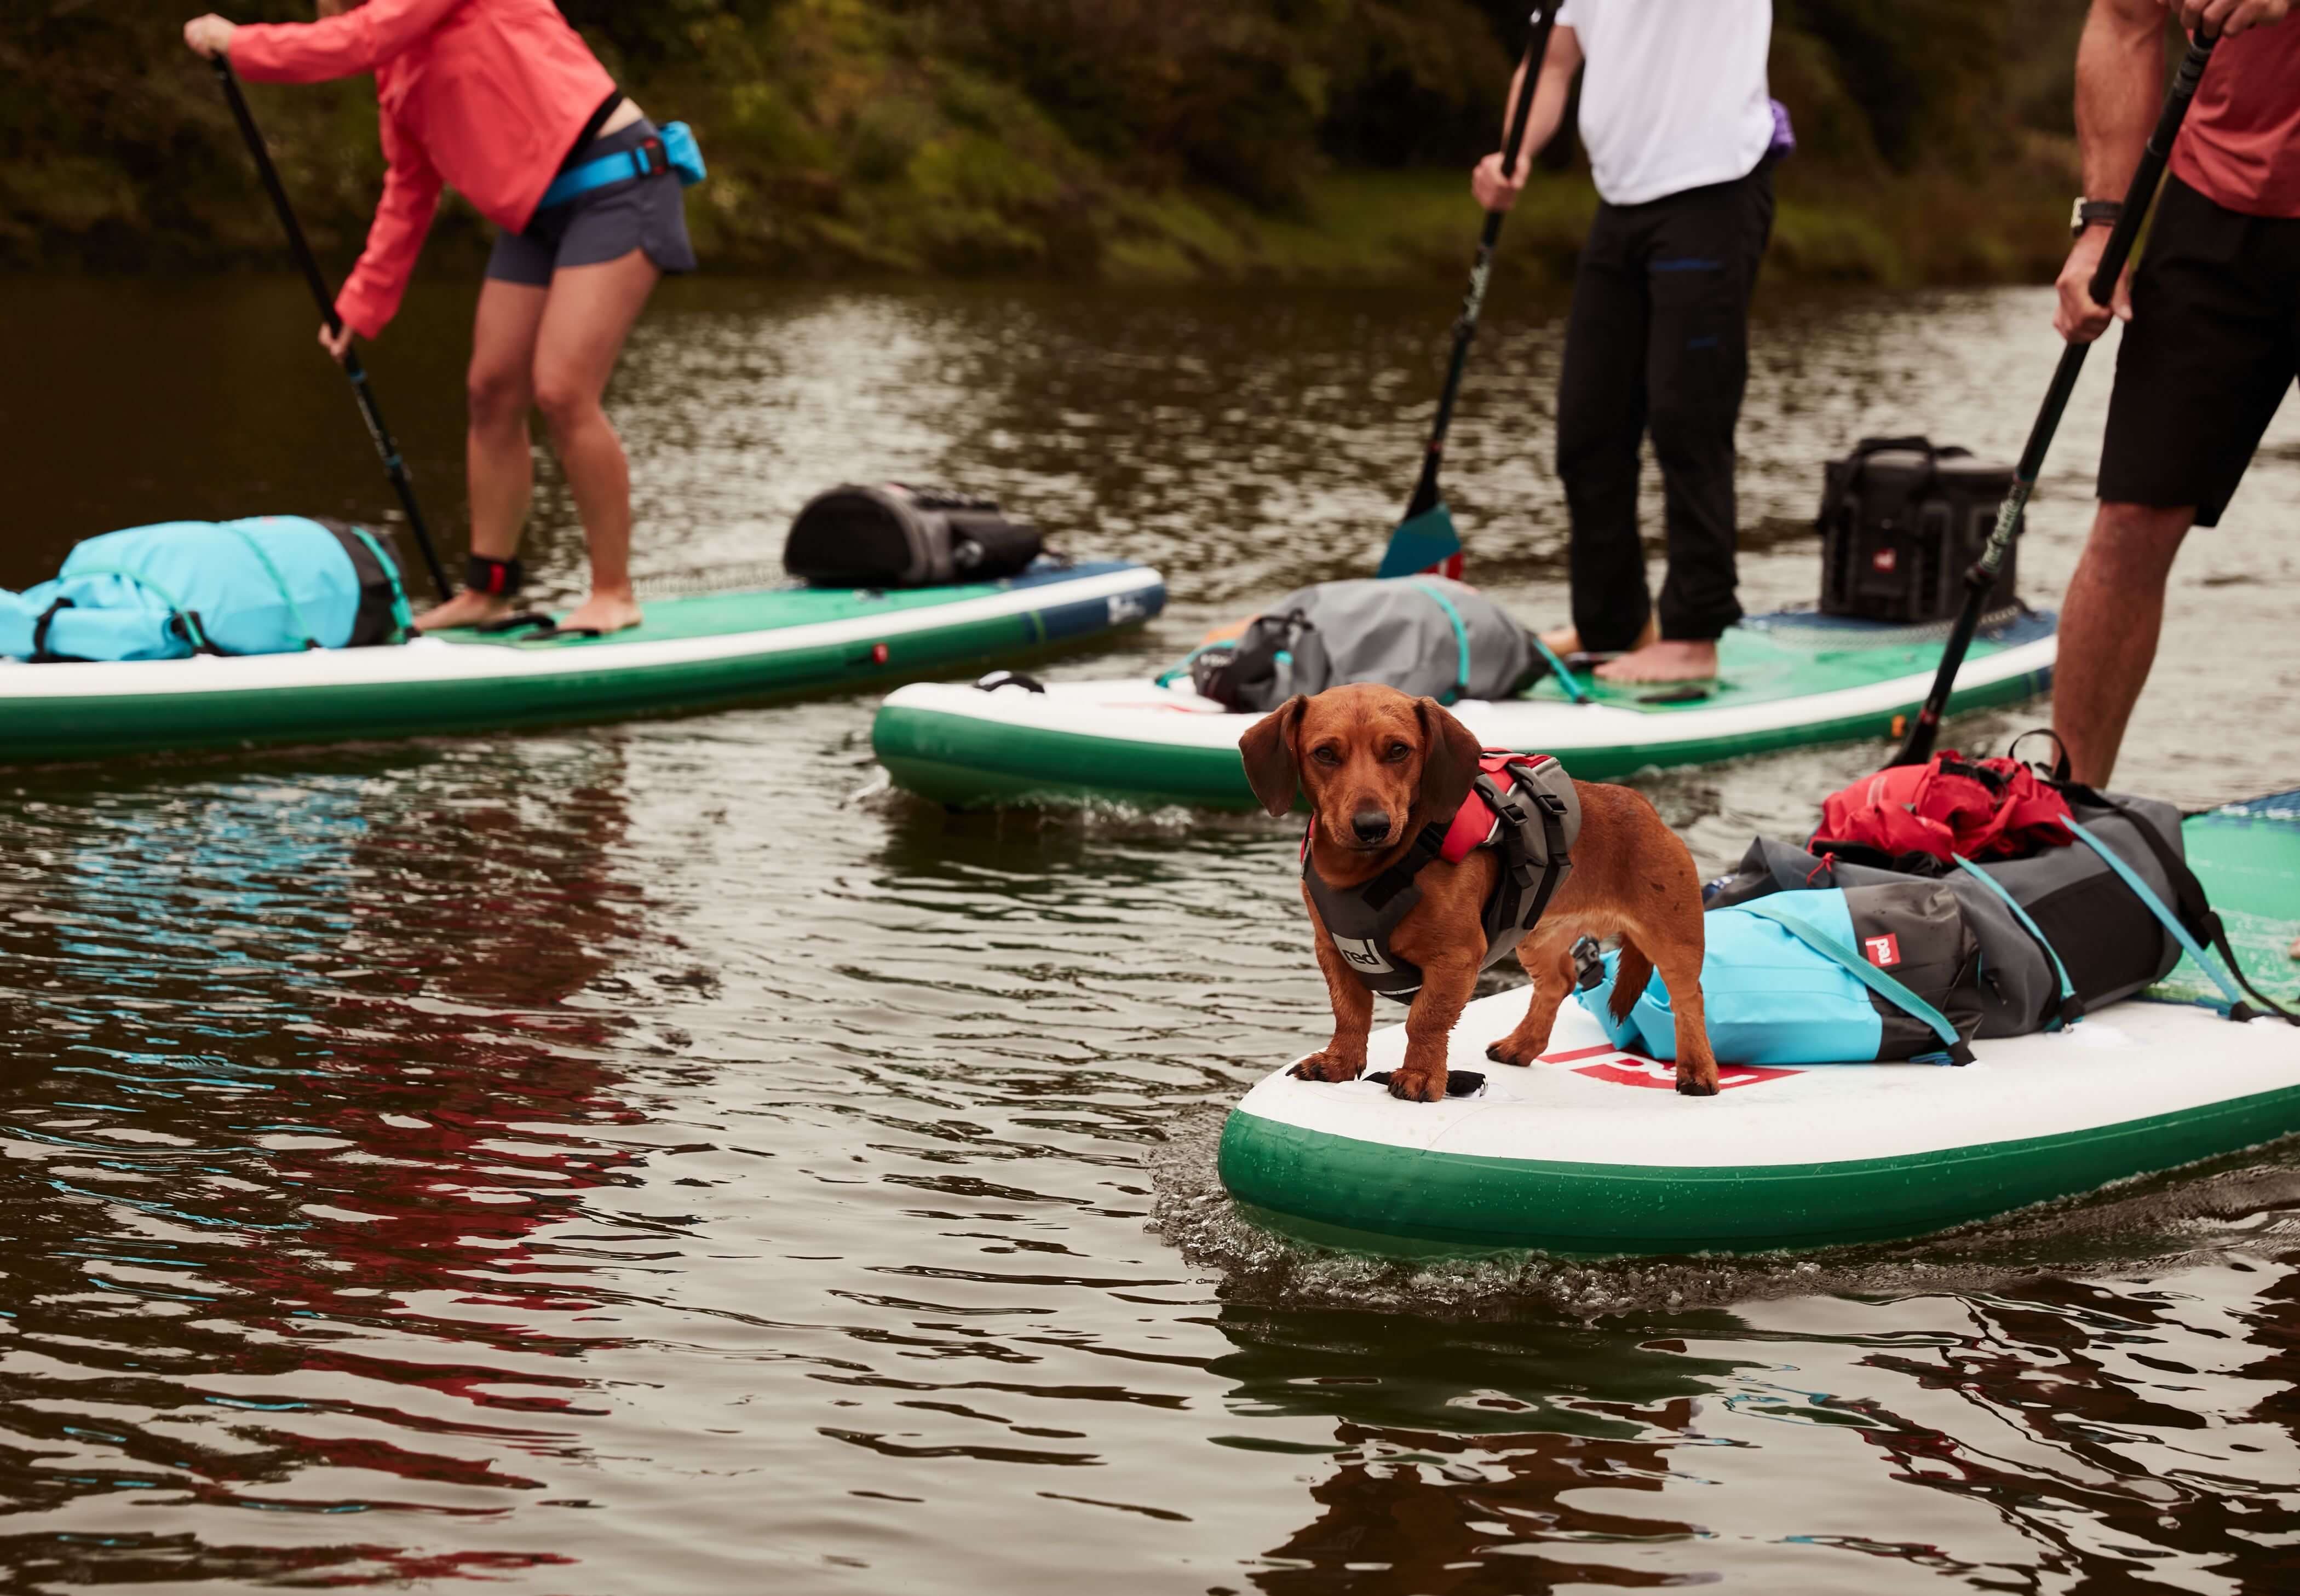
<point x="1124" y="140"/>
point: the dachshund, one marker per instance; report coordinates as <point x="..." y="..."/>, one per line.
<point x="1377" y="766"/>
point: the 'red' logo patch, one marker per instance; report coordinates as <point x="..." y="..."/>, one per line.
<point x="1623" y="1068"/>
<point x="1883" y="951"/>
<point x="1885" y="560"/>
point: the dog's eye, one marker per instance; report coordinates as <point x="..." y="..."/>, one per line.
<point x="1397" y="752"/>
<point x="1325" y="756"/>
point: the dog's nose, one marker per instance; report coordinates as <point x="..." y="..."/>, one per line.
<point x="1372" y="825"/>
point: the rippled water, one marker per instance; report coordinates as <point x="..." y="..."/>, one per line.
<point x="656" y="1159"/>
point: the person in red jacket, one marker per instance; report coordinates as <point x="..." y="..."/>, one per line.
<point x="2213" y="337"/>
<point x="503" y="99"/>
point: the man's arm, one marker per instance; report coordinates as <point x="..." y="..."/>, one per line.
<point x="1494" y="191"/>
<point x="2119" y="83"/>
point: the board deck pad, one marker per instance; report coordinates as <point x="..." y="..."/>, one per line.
<point x="1590" y="1151"/>
<point x="690" y="653"/>
<point x="1788" y="680"/>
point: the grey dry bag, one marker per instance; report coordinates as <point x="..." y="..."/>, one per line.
<point x="1425" y="635"/>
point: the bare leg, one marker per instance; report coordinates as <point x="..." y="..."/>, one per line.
<point x="498" y="461"/>
<point x="589" y="312"/>
<point x="2109" y="625"/>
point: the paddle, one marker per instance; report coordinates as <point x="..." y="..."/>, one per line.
<point x="1426" y="540"/>
<point x="384" y="444"/>
<point x="1982" y="578"/>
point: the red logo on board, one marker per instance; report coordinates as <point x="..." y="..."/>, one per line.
<point x="1885" y="560"/>
<point x="1883" y="951"/>
<point x="1623" y="1068"/>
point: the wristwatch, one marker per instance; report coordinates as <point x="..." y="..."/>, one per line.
<point x="2094" y="213"/>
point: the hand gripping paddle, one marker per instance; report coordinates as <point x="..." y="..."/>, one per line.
<point x="1426" y="540"/>
<point x="1982" y="577"/>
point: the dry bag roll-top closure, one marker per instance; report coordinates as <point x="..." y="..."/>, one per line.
<point x="1900" y="522"/>
<point x="890" y="534"/>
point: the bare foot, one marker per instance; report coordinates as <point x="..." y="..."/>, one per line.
<point x="469" y="607"/>
<point x="2295" y="948"/>
<point x="603" y="613"/>
<point x="1664" y="661"/>
<point x="1565" y="642"/>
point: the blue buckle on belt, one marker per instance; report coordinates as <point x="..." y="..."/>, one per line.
<point x="674" y="151"/>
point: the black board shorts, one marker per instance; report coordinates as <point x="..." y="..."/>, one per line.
<point x="2213" y="343"/>
<point x="605" y="224"/>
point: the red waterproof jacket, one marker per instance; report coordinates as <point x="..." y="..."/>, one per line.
<point x="486" y="95"/>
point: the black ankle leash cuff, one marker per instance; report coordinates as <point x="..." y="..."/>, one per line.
<point x="497" y="578"/>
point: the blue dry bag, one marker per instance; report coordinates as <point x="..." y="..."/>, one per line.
<point x="1826" y="977"/>
<point x="267" y="584"/>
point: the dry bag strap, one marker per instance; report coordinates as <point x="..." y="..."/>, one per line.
<point x="2072" y="1008"/>
<point x="40" y="654"/>
<point x="1461" y="641"/>
<point x="1876" y="980"/>
<point x="2238" y="1008"/>
<point x="1566" y="679"/>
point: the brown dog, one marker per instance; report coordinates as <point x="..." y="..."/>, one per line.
<point x="1377" y="766"/>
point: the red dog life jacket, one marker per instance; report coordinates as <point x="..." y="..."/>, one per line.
<point x="1522" y="804"/>
<point x="1984" y="808"/>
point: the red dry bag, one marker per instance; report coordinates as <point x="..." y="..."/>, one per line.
<point x="1949" y="806"/>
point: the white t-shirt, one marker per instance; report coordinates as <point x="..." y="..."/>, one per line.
<point x="1674" y="96"/>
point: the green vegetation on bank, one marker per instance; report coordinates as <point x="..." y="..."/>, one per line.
<point x="1125" y="139"/>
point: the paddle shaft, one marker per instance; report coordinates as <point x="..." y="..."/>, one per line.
<point x="385" y="445"/>
<point x="1473" y="304"/>
<point x="1982" y="578"/>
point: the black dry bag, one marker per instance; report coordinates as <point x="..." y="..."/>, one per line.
<point x="1900" y="522"/>
<point x="891" y="535"/>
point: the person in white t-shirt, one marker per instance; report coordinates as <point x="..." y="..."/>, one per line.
<point x="1682" y="136"/>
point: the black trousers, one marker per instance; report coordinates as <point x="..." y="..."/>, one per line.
<point x="1659" y="339"/>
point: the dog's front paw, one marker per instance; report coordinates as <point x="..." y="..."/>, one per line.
<point x="1517" y="1048"/>
<point x="1326" y="1066"/>
<point x="1418" y="1086"/>
<point x="1697" y="1080"/>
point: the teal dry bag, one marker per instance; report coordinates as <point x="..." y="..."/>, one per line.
<point x="267" y="585"/>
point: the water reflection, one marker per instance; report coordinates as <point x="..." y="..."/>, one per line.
<point x="650" y="1158"/>
<point x="321" y="1070"/>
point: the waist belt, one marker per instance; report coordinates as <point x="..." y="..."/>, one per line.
<point x="674" y="151"/>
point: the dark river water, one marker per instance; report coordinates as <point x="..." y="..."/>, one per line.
<point x="657" y="1158"/>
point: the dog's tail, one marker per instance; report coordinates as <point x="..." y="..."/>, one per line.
<point x="1630" y="978"/>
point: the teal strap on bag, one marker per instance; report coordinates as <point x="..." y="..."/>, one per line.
<point x="2071" y="1010"/>
<point x="1574" y="690"/>
<point x="1166" y="679"/>
<point x="279" y="583"/>
<point x="403" y="619"/>
<point x="1876" y="980"/>
<point x="1461" y="642"/>
<point x="2156" y="906"/>
<point x="184" y="618"/>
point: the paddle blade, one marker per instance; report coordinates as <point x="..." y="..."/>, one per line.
<point x="1424" y="543"/>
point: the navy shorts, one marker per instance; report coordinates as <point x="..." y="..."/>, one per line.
<point x="606" y="224"/>
<point x="2211" y="349"/>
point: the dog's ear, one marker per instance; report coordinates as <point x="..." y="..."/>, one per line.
<point x="1271" y="750"/>
<point x="1449" y="758"/>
